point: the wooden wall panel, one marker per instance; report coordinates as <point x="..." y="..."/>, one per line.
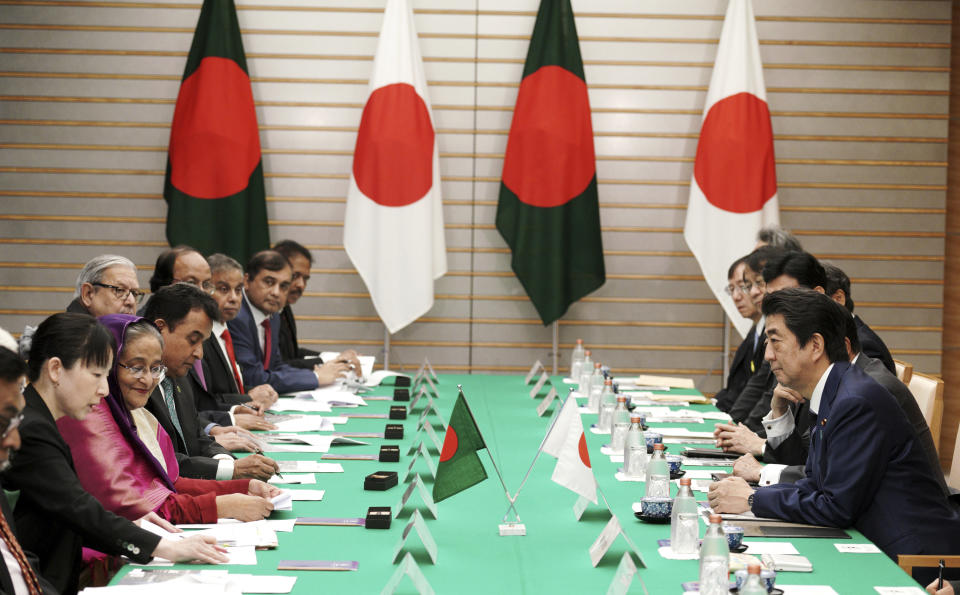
<point x="858" y="92"/>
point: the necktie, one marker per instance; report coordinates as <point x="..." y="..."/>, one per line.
<point x="198" y="368"/>
<point x="166" y="387"/>
<point x="29" y="576"/>
<point x="267" y="343"/>
<point x="228" y="343"/>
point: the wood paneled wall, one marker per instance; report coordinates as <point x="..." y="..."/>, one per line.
<point x="858" y="91"/>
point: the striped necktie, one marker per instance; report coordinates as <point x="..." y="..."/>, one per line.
<point x="167" y="388"/>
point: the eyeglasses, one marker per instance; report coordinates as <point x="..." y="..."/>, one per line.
<point x="746" y="287"/>
<point x="207" y="286"/>
<point x="139" y="371"/>
<point x="12" y="424"/>
<point x="226" y="290"/>
<point x="732" y="289"/>
<point x="122" y="292"/>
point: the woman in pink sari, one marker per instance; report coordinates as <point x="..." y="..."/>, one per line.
<point x="127" y="461"/>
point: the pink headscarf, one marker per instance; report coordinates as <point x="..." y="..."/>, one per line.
<point x="113" y="464"/>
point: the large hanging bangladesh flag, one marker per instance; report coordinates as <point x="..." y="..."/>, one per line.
<point x="548" y="212"/>
<point x="214" y="184"/>
<point x="460" y="465"/>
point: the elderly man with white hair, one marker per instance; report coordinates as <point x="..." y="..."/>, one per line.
<point x="107" y="285"/>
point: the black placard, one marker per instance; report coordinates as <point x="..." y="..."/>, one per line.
<point x="398" y="412"/>
<point x="379" y="517"/>
<point x="393" y="432"/>
<point x="380" y="481"/>
<point x="401" y="394"/>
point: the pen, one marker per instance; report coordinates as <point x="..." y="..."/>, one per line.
<point x="260" y="452"/>
<point x="940" y="577"/>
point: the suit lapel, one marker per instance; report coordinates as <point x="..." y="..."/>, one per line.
<point x="220" y="360"/>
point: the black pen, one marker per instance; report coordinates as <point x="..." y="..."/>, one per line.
<point x="260" y="452"/>
<point x="940" y="577"/>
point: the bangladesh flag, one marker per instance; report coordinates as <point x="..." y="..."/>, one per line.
<point x="214" y="184"/>
<point x="460" y="466"/>
<point x="548" y="211"/>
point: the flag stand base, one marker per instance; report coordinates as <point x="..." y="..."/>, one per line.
<point x="508" y="529"/>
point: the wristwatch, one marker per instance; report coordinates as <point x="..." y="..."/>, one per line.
<point x="750" y="500"/>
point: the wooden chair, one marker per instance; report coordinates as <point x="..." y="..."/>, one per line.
<point x="928" y="391"/>
<point x="904" y="371"/>
<point x="953" y="479"/>
<point x="908" y="562"/>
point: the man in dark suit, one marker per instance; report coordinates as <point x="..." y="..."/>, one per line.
<point x="255" y="330"/>
<point x="222" y="396"/>
<point x="107" y="284"/>
<point x="185" y="314"/>
<point x="24" y="576"/>
<point x="744" y="365"/>
<point x="865" y="468"/>
<point x="838" y="288"/>
<point x="300" y="261"/>
<point x="789" y="453"/>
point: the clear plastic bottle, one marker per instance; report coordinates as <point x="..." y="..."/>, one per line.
<point x="684" y="525"/>
<point x="576" y="360"/>
<point x="714" y="560"/>
<point x="586" y="371"/>
<point x="753" y="586"/>
<point x="608" y="403"/>
<point x="620" y="423"/>
<point x="658" y="474"/>
<point x="635" y="450"/>
<point x="597" y="382"/>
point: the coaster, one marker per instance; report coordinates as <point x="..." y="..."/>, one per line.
<point x="656" y="520"/>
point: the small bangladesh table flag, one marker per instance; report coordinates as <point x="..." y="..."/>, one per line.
<point x="214" y="186"/>
<point x="460" y="466"/>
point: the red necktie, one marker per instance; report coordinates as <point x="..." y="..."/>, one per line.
<point x="228" y="343"/>
<point x="267" y="343"/>
<point x="29" y="576"/>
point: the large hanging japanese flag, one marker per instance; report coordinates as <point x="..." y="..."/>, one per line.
<point x="393" y="227"/>
<point x="733" y="192"/>
<point x="567" y="442"/>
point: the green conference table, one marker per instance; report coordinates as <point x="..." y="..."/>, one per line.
<point x="472" y="556"/>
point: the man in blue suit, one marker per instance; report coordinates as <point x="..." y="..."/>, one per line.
<point x="865" y="468"/>
<point x="255" y="330"/>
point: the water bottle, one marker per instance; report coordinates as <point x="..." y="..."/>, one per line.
<point x="714" y="560"/>
<point x="658" y="475"/>
<point x="753" y="585"/>
<point x="597" y="382"/>
<point x="635" y="450"/>
<point x="684" y="525"/>
<point x="608" y="403"/>
<point x="586" y="371"/>
<point x="620" y="420"/>
<point x="576" y="360"/>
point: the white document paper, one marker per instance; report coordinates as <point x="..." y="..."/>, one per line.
<point x="294" y="478"/>
<point x="306" y="423"/>
<point x="770" y="547"/>
<point x="900" y="591"/>
<point x="300" y="404"/>
<point x="278" y="525"/>
<point x="807" y="589"/>
<point x="682" y="433"/>
<point x="256" y="583"/>
<point x="255" y="533"/>
<point x="698" y="473"/>
<point x="282" y="501"/>
<point x="338" y="398"/>
<point x="309" y="467"/>
<point x="315" y="443"/>
<point x="306" y="495"/>
<point x="857" y="548"/>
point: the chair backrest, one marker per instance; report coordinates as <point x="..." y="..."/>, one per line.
<point x="953" y="479"/>
<point x="904" y="370"/>
<point x="928" y="391"/>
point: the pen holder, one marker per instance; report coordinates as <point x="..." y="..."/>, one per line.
<point x="379" y="517"/>
<point x="389" y="453"/>
<point x="398" y="412"/>
<point x="393" y="432"/>
<point x="401" y="394"/>
<point x="380" y="481"/>
<point x="401" y="381"/>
